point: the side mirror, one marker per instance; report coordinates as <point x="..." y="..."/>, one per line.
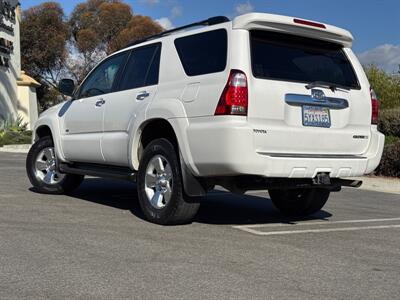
<point x="66" y="87"/>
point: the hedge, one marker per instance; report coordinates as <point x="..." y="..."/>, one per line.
<point x="390" y="163"/>
<point x="15" y="138"/>
<point x="389" y="122"/>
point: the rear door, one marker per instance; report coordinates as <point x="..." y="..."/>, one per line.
<point x="82" y="123"/>
<point x="136" y="88"/>
<point x="329" y="117"/>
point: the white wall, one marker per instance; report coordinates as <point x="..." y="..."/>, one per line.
<point x="17" y="89"/>
<point x="27" y="105"/>
<point x="9" y="76"/>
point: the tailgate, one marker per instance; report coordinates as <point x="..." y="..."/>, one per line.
<point x="290" y="115"/>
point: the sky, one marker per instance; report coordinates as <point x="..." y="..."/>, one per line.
<point x="375" y="24"/>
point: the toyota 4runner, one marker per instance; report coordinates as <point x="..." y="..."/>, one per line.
<point x="260" y="102"/>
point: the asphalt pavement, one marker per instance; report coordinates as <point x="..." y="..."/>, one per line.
<point x="95" y="244"/>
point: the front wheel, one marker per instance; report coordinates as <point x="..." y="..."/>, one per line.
<point x="160" y="189"/>
<point x="42" y="170"/>
<point x="299" y="202"/>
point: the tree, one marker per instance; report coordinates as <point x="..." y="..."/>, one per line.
<point x="44" y="37"/>
<point x="53" y="46"/>
<point x="137" y="28"/>
<point x="100" y="27"/>
<point x="386" y="86"/>
<point x="104" y="19"/>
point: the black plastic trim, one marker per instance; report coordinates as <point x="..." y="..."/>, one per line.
<point x="96" y="170"/>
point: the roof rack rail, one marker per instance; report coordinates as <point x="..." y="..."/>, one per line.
<point x="208" y="22"/>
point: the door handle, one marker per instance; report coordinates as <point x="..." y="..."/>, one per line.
<point x="100" y="103"/>
<point x="142" y="95"/>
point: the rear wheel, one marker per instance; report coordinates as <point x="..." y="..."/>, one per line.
<point x="160" y="188"/>
<point x="299" y="202"/>
<point x="42" y="170"/>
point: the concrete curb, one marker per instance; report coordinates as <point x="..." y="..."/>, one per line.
<point x="15" y="148"/>
<point x="380" y="184"/>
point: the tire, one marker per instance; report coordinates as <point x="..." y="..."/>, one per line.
<point x="299" y="202"/>
<point x="160" y="189"/>
<point x="41" y="167"/>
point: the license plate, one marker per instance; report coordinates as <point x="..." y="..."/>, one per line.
<point x="316" y="116"/>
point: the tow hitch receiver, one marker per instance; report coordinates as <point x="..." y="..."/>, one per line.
<point x="322" y="179"/>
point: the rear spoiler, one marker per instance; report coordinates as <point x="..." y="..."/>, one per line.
<point x="295" y="26"/>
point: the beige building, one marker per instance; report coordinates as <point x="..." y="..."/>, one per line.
<point x="17" y="90"/>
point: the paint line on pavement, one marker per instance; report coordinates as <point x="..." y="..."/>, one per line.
<point x="287" y="232"/>
<point x="303" y="223"/>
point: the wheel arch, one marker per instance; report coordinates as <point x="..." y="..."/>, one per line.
<point x="148" y="131"/>
<point x="41" y="132"/>
<point x="48" y="125"/>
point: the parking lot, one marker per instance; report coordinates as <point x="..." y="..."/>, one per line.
<point x="95" y="244"/>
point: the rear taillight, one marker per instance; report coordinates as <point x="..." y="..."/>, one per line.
<point x="375" y="108"/>
<point x="234" y="98"/>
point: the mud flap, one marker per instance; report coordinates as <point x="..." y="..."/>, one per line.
<point x="191" y="184"/>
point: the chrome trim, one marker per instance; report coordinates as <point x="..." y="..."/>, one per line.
<point x="330" y="156"/>
<point x="100" y="102"/>
<point x="330" y="102"/>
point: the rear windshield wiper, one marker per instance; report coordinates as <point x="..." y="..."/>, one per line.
<point x="332" y="86"/>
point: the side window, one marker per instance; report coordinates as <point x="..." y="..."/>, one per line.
<point x="203" y="53"/>
<point x="101" y="80"/>
<point x="142" y="68"/>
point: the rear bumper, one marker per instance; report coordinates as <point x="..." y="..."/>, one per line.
<point x="225" y="147"/>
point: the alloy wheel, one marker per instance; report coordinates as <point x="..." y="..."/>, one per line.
<point x="158" y="181"/>
<point x="46" y="167"/>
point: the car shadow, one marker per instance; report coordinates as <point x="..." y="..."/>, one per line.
<point x="225" y="208"/>
<point x="218" y="207"/>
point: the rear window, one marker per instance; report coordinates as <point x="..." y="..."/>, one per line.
<point x="142" y="68"/>
<point x="203" y="53"/>
<point x="291" y="58"/>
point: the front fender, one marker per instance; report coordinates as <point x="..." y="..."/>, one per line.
<point x="51" y="119"/>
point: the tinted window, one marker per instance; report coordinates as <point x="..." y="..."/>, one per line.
<point x="286" y="57"/>
<point x="142" y="68"/>
<point x="203" y="53"/>
<point x="101" y="80"/>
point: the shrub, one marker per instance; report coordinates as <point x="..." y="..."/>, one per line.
<point x="15" y="138"/>
<point x="389" y="121"/>
<point x="14" y="131"/>
<point x="12" y="124"/>
<point x="391" y="139"/>
<point x="390" y="163"/>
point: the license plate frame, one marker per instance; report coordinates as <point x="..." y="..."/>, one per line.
<point x="316" y="116"/>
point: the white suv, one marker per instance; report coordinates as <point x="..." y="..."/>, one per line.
<point x="260" y="102"/>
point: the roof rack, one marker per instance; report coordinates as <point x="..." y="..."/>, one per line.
<point x="208" y="22"/>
